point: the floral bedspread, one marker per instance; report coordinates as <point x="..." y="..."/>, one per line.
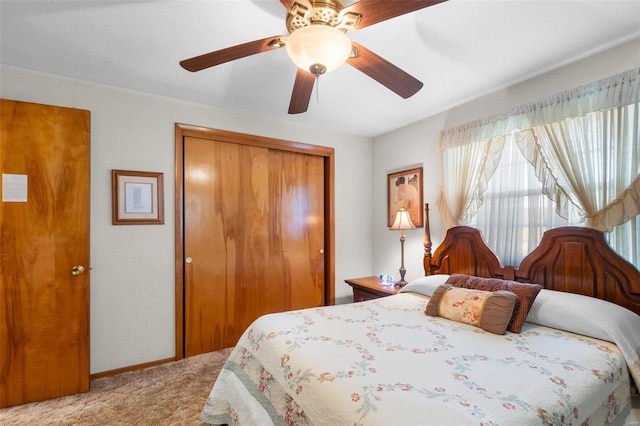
<point x="385" y="362"/>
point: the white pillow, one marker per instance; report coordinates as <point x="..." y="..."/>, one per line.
<point x="425" y="285"/>
<point x="591" y="317"/>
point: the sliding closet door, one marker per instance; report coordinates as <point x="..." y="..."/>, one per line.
<point x="44" y="240"/>
<point x="253" y="237"/>
<point x="296" y="233"/>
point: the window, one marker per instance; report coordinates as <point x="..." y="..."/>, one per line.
<point x="515" y="213"/>
<point x="570" y="159"/>
<point x="513" y="201"/>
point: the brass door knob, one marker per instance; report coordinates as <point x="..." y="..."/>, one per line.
<point x="77" y="270"/>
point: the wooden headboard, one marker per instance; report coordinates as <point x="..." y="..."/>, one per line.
<point x="571" y="259"/>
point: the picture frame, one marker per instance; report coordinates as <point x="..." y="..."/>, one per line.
<point x="405" y="190"/>
<point x="137" y="197"/>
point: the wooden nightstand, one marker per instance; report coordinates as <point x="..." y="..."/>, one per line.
<point x="367" y="288"/>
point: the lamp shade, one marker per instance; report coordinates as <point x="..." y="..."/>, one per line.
<point x="403" y="221"/>
<point x="318" y="45"/>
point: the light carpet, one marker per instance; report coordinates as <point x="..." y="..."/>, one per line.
<point x="168" y="394"/>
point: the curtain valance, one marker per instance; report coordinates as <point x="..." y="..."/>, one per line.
<point x="612" y="92"/>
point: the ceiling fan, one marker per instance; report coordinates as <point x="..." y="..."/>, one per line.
<point x="317" y="43"/>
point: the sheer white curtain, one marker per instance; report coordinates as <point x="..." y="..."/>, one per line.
<point x="584" y="146"/>
<point x="515" y="212"/>
<point x="625" y="239"/>
<point x="470" y="155"/>
<point x="592" y="159"/>
<point x="468" y="169"/>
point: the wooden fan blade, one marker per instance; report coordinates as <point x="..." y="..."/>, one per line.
<point x="384" y="72"/>
<point x="218" y="57"/>
<point x="301" y="94"/>
<point x="374" y="11"/>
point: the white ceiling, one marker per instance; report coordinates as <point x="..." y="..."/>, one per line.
<point x="460" y="49"/>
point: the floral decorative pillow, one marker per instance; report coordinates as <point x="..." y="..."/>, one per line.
<point x="526" y="294"/>
<point x="490" y="310"/>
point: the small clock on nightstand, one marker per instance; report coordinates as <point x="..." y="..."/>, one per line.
<point x="367" y="288"/>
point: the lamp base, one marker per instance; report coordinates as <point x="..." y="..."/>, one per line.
<point x="403" y="271"/>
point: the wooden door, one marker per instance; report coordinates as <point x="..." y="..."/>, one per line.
<point x="44" y="301"/>
<point x="254" y="237"/>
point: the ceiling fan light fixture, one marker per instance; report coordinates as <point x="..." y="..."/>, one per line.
<point x="318" y="48"/>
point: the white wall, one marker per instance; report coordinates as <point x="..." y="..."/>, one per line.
<point x="414" y="145"/>
<point x="132" y="275"/>
<point x="417" y="144"/>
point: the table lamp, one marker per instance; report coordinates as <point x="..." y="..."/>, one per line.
<point x="402" y="222"/>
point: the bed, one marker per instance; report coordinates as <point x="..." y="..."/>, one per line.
<point x="572" y="358"/>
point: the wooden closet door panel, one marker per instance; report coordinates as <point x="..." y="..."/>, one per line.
<point x="254" y="234"/>
<point x="205" y="275"/>
<point x="44" y="308"/>
<point x="297" y="229"/>
<point x="226" y="236"/>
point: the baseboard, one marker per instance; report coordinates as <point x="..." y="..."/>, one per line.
<point x="130" y="368"/>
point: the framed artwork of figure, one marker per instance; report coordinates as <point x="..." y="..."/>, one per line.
<point x="404" y="191"/>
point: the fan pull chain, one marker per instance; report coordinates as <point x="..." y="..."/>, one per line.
<point x="317" y="70"/>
